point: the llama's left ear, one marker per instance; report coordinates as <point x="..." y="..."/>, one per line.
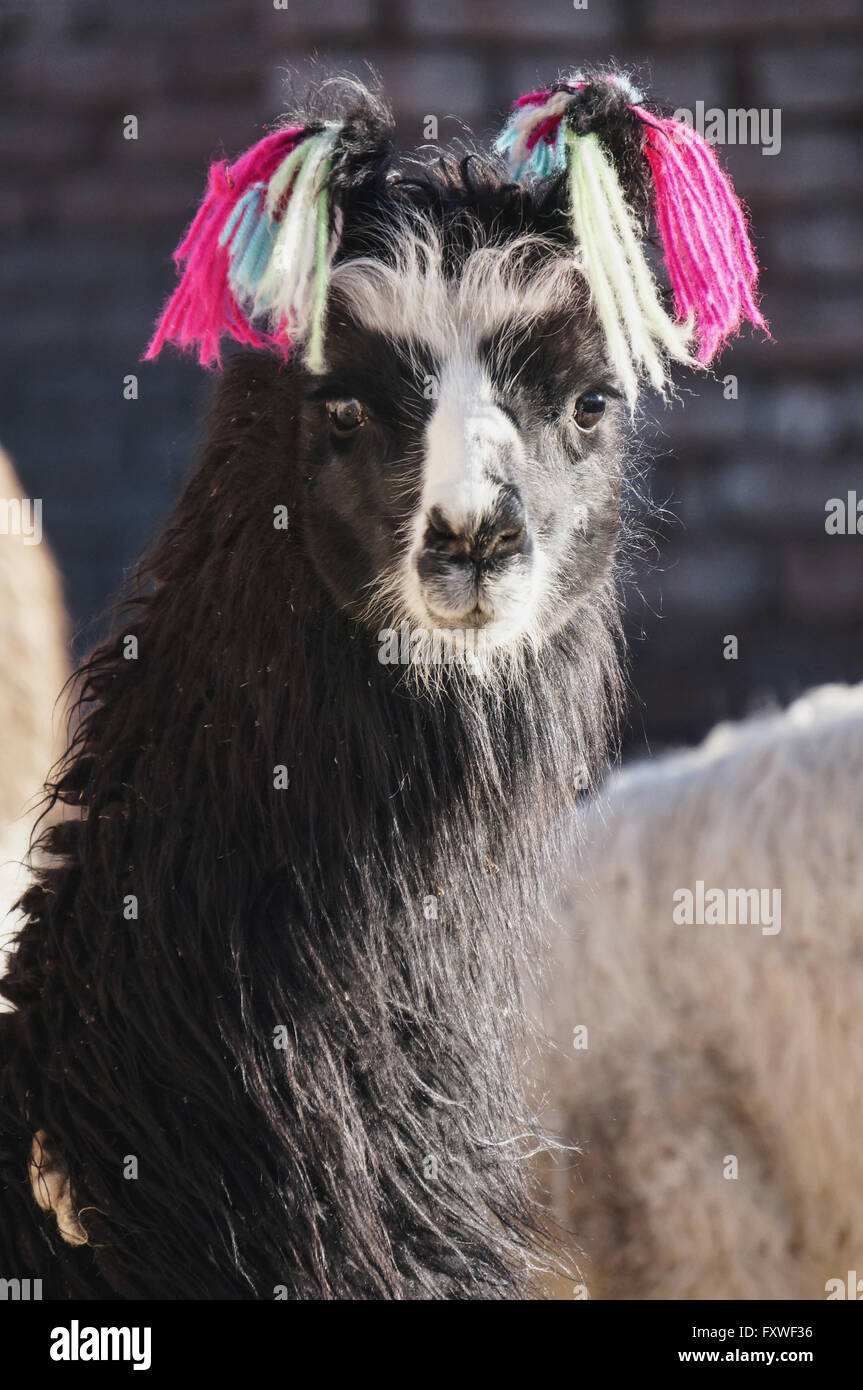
<point x="256" y="260"/>
<point x="622" y="162"/>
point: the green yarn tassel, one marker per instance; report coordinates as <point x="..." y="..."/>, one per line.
<point x="315" y="351"/>
<point x="638" y="331"/>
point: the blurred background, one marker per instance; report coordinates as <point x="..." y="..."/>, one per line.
<point x="89" y="220"/>
<point x="712" y="1049"/>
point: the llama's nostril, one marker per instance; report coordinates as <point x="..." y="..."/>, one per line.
<point x="508" y="542"/>
<point x="442" y="537"/>
<point x="439" y="525"/>
<point x="497" y="534"/>
<point x="503" y="532"/>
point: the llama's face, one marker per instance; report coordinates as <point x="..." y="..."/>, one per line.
<point x="465" y="444"/>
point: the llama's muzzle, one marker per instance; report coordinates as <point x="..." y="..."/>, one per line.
<point x="464" y="563"/>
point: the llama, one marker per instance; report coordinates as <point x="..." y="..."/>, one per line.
<point x="708" y="1043"/>
<point x="268" y="1030"/>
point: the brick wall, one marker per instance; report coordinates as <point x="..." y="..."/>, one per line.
<point x="88" y="221"/>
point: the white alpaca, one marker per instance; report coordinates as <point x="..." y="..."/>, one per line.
<point x="714" y="1049"/>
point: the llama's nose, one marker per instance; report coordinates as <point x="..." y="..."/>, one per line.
<point x="498" y="534"/>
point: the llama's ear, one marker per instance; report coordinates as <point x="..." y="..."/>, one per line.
<point x="254" y="264"/>
<point x="622" y="164"/>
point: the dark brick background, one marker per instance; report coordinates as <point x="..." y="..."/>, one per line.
<point x="88" y="221"/>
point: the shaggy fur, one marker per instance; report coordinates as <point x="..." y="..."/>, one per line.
<point x="307" y="1029"/>
<point x="707" y="1041"/>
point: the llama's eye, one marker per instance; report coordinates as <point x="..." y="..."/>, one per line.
<point x="589" y="410"/>
<point x="346" y="415"/>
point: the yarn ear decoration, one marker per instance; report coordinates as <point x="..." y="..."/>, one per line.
<point x="708" y="253"/>
<point x="637" y="329"/>
<point x="532" y="141"/>
<point x="621" y="163"/>
<point x="255" y="261"/>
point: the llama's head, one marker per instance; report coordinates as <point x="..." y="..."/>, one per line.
<point x="467" y="375"/>
<point x="464" y="438"/>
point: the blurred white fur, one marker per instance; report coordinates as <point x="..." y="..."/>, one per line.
<point x="33" y="641"/>
<point x="712" y="1041"/>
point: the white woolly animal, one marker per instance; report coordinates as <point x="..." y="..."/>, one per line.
<point x="34" y="668"/>
<point x="717" y="1103"/>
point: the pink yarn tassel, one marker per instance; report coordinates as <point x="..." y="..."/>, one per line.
<point x="537" y="98"/>
<point x="544" y="130"/>
<point x="708" y="253"/>
<point x="202" y="308"/>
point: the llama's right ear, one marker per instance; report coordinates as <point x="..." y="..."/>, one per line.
<point x="620" y="160"/>
<point x="255" y="262"/>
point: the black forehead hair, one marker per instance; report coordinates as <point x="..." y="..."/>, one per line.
<point x="467" y="201"/>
